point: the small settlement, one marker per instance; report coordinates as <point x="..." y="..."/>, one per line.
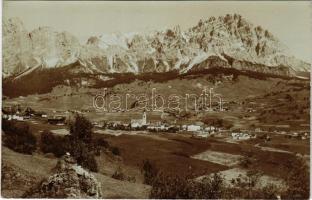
<point x="197" y="129"/>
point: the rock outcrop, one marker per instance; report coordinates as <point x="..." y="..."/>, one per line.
<point x="69" y="181"/>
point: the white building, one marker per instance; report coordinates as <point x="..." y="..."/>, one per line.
<point x="241" y="136"/>
<point x="193" y="128"/>
<point x="211" y="129"/>
<point x="5" y="116"/>
<point x="136" y="123"/>
<point x="18" y="118"/>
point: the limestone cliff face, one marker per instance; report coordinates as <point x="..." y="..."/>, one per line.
<point x="225" y="41"/>
<point x="44" y="47"/>
<point x="16" y="47"/>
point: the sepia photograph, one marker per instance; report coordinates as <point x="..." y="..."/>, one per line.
<point x="156" y="99"/>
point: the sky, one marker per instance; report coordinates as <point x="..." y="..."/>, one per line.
<point x="290" y="21"/>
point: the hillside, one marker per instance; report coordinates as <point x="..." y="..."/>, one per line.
<point x="25" y="171"/>
<point x="249" y="98"/>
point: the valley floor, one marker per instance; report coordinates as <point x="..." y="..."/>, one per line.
<point x="173" y="153"/>
<point x="278" y="108"/>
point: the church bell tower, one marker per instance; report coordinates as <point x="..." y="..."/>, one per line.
<point x="144" y="120"/>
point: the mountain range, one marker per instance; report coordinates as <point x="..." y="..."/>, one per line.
<point x="228" y="41"/>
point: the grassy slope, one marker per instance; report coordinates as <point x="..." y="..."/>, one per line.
<point x="266" y="94"/>
<point x="38" y="167"/>
<point x="70" y="98"/>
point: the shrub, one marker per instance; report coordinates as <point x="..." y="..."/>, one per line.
<point x="170" y="187"/>
<point x="79" y="143"/>
<point x="216" y="122"/>
<point x="115" y="151"/>
<point x="298" y="179"/>
<point x="81" y="128"/>
<point x="88" y="161"/>
<point x="208" y="188"/>
<point x="99" y="143"/>
<point x="270" y="191"/>
<point x="102" y="142"/>
<point x="247" y="183"/>
<point x="179" y="187"/>
<point x="81" y="146"/>
<point x="167" y="186"/>
<point x="8" y="126"/>
<point x="120" y="175"/>
<point x="51" y="143"/>
<point x="83" y="154"/>
<point x="245" y="187"/>
<point x="18" y="137"/>
<point x="149" y="172"/>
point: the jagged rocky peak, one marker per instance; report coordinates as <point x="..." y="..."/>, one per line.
<point x="235" y="24"/>
<point x="105" y="41"/>
<point x="12" y="26"/>
<point x="16" y="46"/>
<point x="229" y="36"/>
<point x="235" y="36"/>
<point x="46" y="36"/>
<point x="43" y="46"/>
<point x="93" y="41"/>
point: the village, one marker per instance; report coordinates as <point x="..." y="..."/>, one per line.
<point x="144" y="125"/>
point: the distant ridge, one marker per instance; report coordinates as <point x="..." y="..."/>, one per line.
<point x="228" y="41"/>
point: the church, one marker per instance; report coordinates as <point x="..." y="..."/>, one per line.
<point x="136" y="123"/>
